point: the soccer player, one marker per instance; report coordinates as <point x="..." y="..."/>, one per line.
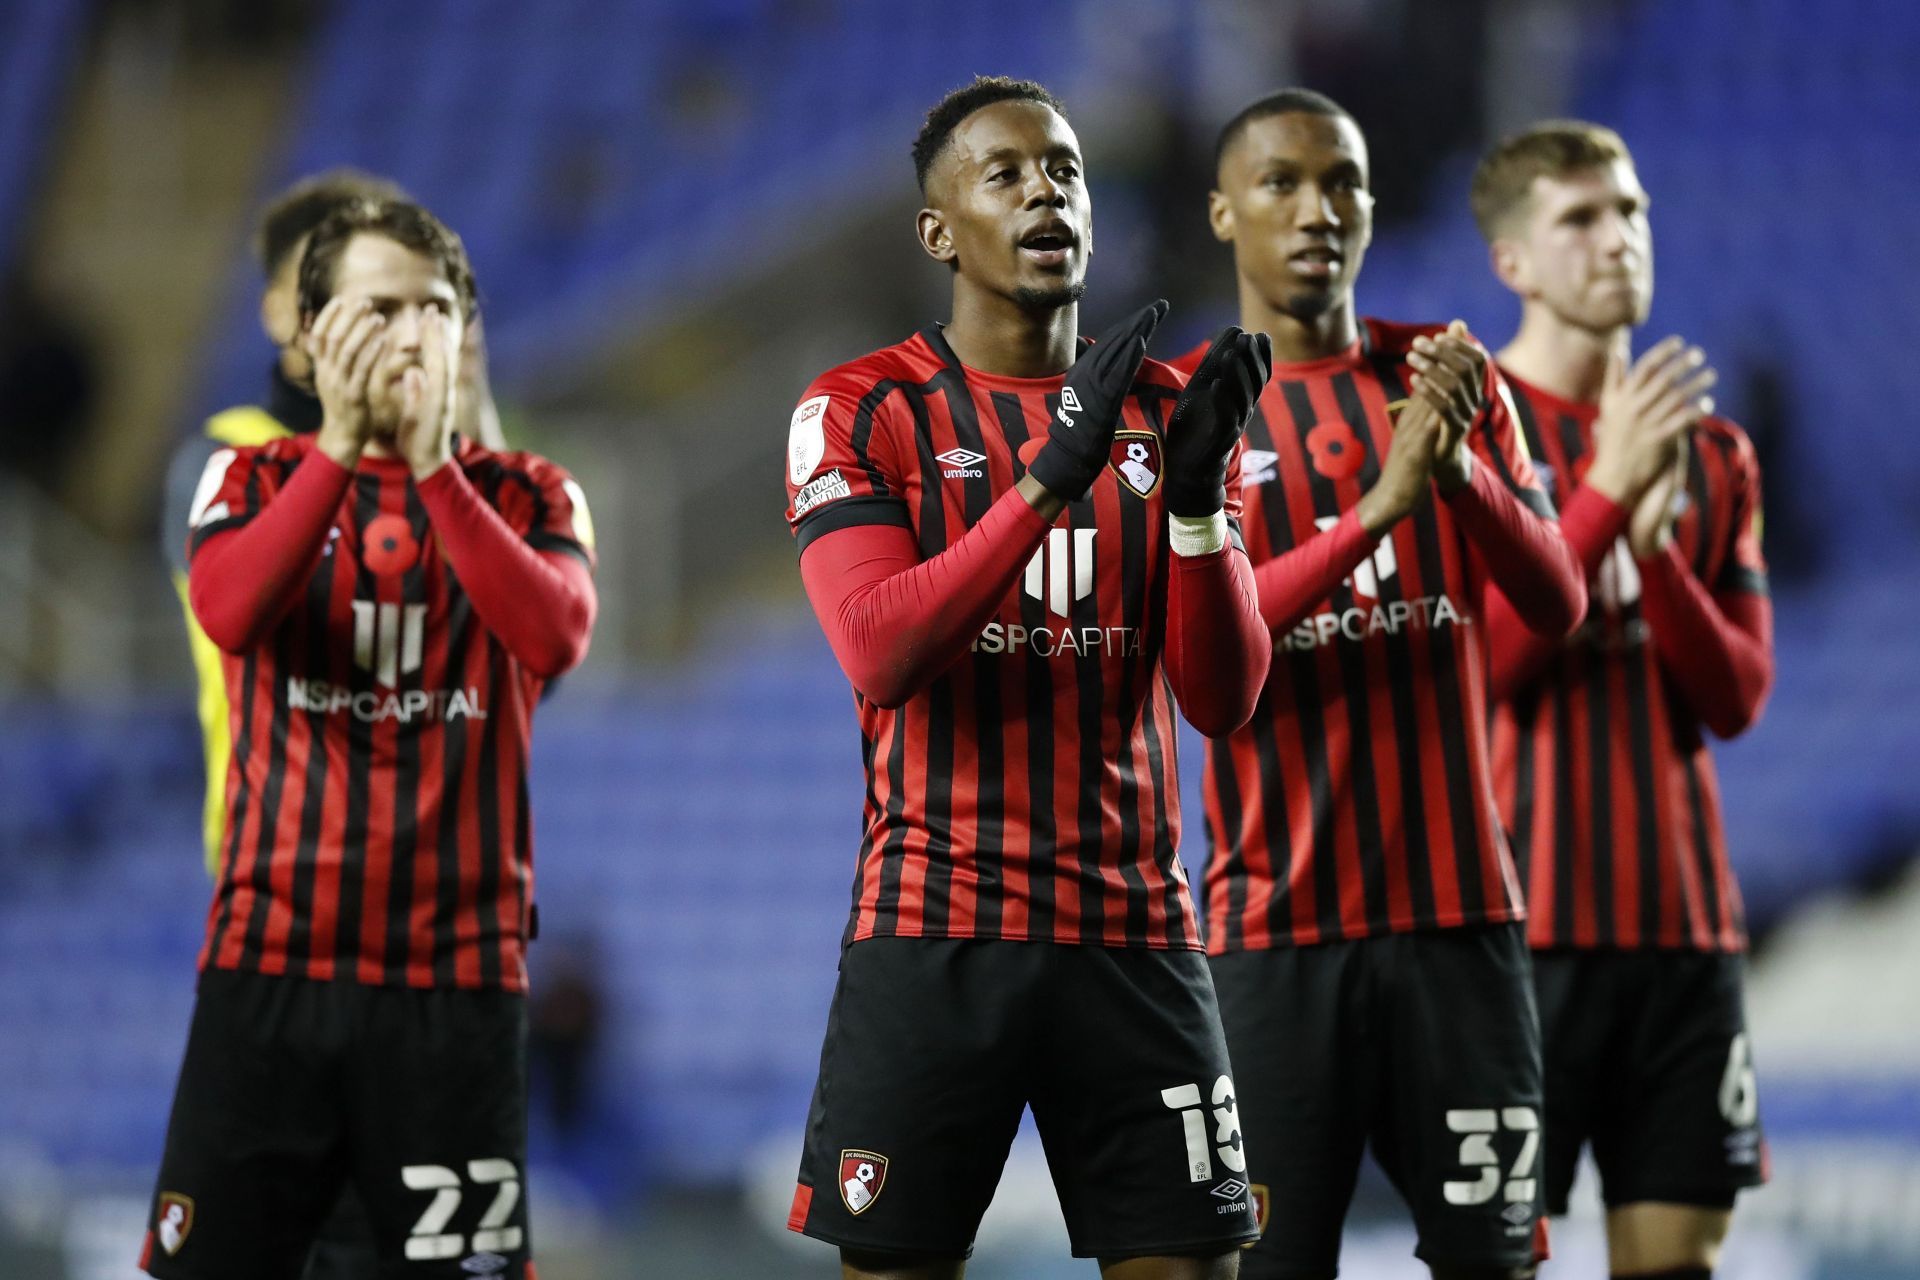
<point x="389" y="600"/>
<point x="1018" y="556"/>
<point x="289" y="408"/>
<point x="1362" y="906"/>
<point x="1603" y="770"/>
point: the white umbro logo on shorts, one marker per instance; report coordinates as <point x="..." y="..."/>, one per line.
<point x="1231" y="1189"/>
<point x="962" y="464"/>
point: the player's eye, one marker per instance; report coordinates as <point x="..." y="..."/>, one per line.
<point x="1067" y="171"/>
<point x="1001" y="175"/>
<point x="1281" y="182"/>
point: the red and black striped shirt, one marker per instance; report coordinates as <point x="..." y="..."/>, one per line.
<point x="377" y="822"/>
<point x="1359" y="800"/>
<point x="1603" y="772"/>
<point x="1029" y="792"/>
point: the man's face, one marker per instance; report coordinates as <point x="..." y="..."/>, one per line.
<point x="1293" y="201"/>
<point x="1009" y="207"/>
<point x="1585" y="250"/>
<point x="404" y="286"/>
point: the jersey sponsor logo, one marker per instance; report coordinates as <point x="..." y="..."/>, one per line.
<point x="1059" y="642"/>
<point x="863" y="1175"/>
<point x="1371" y="572"/>
<point x="369" y="707"/>
<point x="1425" y="613"/>
<point x="828" y="488"/>
<point x="1061" y="571"/>
<point x="1135" y="458"/>
<point x="175" y="1221"/>
<point x="807" y="438"/>
<point x="1258" y="467"/>
<point x="962" y="464"/>
<point x="204" y="510"/>
<point x="387" y="638"/>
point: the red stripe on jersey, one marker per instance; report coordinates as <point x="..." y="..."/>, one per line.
<point x="1028" y="793"/>
<point x="1359" y="800"/>
<point x="1599" y="765"/>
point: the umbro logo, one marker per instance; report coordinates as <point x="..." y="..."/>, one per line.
<point x="962" y="464"/>
<point x="1069" y="405"/>
<point x="1258" y="466"/>
<point x="1231" y="1189"/>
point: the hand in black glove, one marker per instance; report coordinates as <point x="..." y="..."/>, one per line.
<point x="1080" y="437"/>
<point x="1209" y="418"/>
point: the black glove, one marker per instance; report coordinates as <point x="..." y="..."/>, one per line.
<point x="1080" y="436"/>
<point x="1209" y="418"/>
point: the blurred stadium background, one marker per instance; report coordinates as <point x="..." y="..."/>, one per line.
<point x="681" y="211"/>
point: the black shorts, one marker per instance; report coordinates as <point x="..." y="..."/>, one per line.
<point x="291" y="1089"/>
<point x="934" y="1047"/>
<point x="1424" y="1043"/>
<point x="1648" y="1059"/>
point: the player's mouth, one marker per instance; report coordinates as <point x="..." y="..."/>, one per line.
<point x="1049" y="244"/>
<point x="1316" y="262"/>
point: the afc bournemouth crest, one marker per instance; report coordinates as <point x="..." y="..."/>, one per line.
<point x="862" y="1175"/>
<point x="175" y="1221"/>
<point x="1136" y="460"/>
<point x="1262" y="1203"/>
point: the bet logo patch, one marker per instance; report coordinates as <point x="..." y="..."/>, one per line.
<point x="388" y="545"/>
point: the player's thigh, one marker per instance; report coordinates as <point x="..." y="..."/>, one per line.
<point x="1682" y="1121"/>
<point x="1135" y="1100"/>
<point x="1216" y="1266"/>
<point x="1576" y="1008"/>
<point x="919" y="1094"/>
<point x="439" y="1103"/>
<point x="255" y="1143"/>
<point x="1458" y="1126"/>
<point x="1293" y="1019"/>
<point x="1654" y="1239"/>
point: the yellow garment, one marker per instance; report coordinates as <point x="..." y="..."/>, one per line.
<point x="237" y="427"/>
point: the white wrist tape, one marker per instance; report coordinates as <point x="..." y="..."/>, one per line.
<point x="1197" y="535"/>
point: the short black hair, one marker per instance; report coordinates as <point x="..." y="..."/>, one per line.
<point x="963" y="102"/>
<point x="1280" y="103"/>
<point x="401" y="221"/>
<point x="293" y="214"/>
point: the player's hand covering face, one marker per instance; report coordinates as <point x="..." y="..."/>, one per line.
<point x="1080" y="434"/>
<point x="1586" y="248"/>
<point x="1008" y="207"/>
<point x="1293" y="200"/>
<point x="1210" y="417"/>
<point x="403" y="288"/>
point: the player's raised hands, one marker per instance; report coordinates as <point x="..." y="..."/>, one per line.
<point x="1644" y="411"/>
<point x="1650" y="528"/>
<point x="1408" y="468"/>
<point x="1210" y="417"/>
<point x="1450" y="378"/>
<point x="1080" y="435"/>
<point x="424" y="434"/>
<point x="346" y="342"/>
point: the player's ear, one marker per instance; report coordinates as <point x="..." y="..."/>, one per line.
<point x="934" y="236"/>
<point x="1220" y="216"/>
<point x="1511" y="266"/>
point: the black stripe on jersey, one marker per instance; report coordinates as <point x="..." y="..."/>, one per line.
<point x="1304" y="670"/>
<point x="1529" y="426"/>
<point x="1646" y="813"/>
<point x="989" y="733"/>
<point x="492" y="922"/>
<point x="1739" y="577"/>
<point x="1093" y="758"/>
<point x="460" y="628"/>
<point x="1526" y="717"/>
<point x="1564" y="888"/>
<point x="1133" y="608"/>
<point x="1043" y="835"/>
<point x="862" y="439"/>
<point x="319" y="665"/>
<point x="1535" y="500"/>
<point x="1266" y="744"/>
<point x="886" y="909"/>
<point x="1462" y="798"/>
<point x="541" y="540"/>
<point x="1353" y="673"/>
<point x="406" y="761"/>
<point x="1600" y="793"/>
<point x="1571" y="446"/>
<point x="242" y="801"/>
<point x="848" y="512"/>
<point x="353" y="839"/>
<point x="942" y="729"/>
<point x="201" y="532"/>
<point x="1718" y="910"/>
<point x="1697" y="493"/>
<point x="1152" y="622"/>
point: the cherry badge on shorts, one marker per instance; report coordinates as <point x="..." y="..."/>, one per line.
<point x="388" y="545"/>
<point x="175" y="1221"/>
<point x="862" y="1176"/>
<point x="1136" y="460"/>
